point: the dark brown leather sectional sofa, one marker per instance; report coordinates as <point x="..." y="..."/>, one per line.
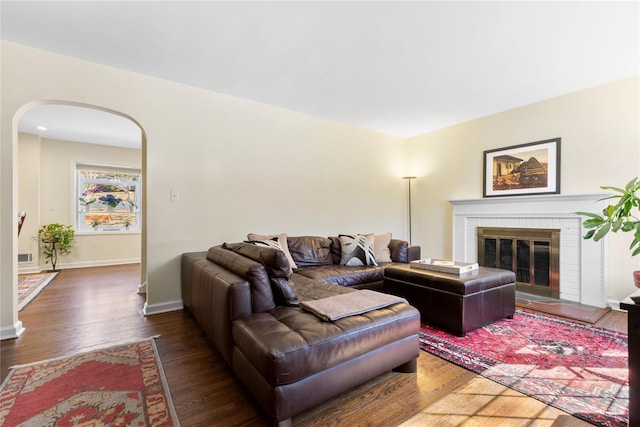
<point x="289" y="358"/>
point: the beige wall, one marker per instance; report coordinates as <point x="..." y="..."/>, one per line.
<point x="46" y="188"/>
<point x="29" y="198"/>
<point x="239" y="166"/>
<point x="600" y="131"/>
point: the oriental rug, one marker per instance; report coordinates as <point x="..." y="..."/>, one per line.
<point x="577" y="368"/>
<point x="30" y="285"/>
<point x="122" y="385"/>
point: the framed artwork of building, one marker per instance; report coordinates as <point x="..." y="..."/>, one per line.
<point x="525" y="169"/>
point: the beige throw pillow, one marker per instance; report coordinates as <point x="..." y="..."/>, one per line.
<point x="381" y="247"/>
<point x="282" y="239"/>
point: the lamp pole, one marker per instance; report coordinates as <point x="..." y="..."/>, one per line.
<point x="409" y="178"/>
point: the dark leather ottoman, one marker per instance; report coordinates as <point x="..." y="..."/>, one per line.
<point x="459" y="303"/>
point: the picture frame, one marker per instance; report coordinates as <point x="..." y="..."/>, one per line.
<point x="525" y="169"/>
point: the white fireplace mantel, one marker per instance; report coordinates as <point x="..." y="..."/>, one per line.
<point x="583" y="266"/>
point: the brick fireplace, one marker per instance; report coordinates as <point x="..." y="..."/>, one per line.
<point x="582" y="263"/>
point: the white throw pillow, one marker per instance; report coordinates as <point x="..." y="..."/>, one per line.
<point x="357" y="249"/>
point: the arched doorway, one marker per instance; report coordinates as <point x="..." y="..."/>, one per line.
<point x="89" y="126"/>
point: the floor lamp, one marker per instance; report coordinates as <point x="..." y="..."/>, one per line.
<point x="409" y="178"/>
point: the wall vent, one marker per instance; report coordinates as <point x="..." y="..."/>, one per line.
<point x="28" y="257"/>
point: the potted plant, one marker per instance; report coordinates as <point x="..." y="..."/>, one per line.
<point x="110" y="200"/>
<point x="127" y="223"/>
<point x="132" y="204"/>
<point x="620" y="216"/>
<point x="88" y="197"/>
<point x="86" y="201"/>
<point x="95" y="224"/>
<point x="56" y="239"/>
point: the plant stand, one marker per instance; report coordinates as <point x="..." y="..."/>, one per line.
<point x="53" y="253"/>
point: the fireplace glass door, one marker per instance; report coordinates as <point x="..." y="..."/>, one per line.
<point x="530" y="253"/>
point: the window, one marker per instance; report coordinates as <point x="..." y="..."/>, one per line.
<point x="107" y="198"/>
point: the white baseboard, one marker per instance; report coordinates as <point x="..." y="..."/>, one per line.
<point x="142" y="288"/>
<point x="84" y="264"/>
<point x="29" y="270"/>
<point x="10" y="332"/>
<point x="165" y="307"/>
<point x="614" y="304"/>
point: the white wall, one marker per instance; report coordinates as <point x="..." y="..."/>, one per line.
<point x="239" y="166"/>
<point x="600" y="131"/>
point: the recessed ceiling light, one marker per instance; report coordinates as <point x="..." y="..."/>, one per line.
<point x="42" y="128"/>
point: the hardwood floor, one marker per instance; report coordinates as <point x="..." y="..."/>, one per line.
<point x="89" y="308"/>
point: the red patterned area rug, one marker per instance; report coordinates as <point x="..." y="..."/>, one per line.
<point x="30" y="285"/>
<point x="577" y="368"/>
<point x="122" y="385"/>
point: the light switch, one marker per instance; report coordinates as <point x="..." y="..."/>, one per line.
<point x="174" y="196"/>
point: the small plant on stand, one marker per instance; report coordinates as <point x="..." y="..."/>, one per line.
<point x="57" y="239"/>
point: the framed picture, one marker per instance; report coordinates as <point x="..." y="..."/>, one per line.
<point x="524" y="169"/>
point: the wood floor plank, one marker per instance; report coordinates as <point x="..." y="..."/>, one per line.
<point x="88" y="308"/>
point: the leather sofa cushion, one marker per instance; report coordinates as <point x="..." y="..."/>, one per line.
<point x="252" y="271"/>
<point x="274" y="260"/>
<point x="343" y="275"/>
<point x="290" y="344"/>
<point x="336" y="250"/>
<point x="282" y="292"/>
<point x="310" y="250"/>
<point x="400" y="250"/>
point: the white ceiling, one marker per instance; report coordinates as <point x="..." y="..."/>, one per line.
<point x="403" y="68"/>
<point x="79" y="124"/>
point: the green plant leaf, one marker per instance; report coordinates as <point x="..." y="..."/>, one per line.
<point x="589" y="234"/>
<point x="616" y="189"/>
<point x="602" y="231"/>
<point x="617" y="225"/>
<point x="589" y="214"/>
<point x="592" y="223"/>
<point x="608" y="211"/>
<point x="631" y="185"/>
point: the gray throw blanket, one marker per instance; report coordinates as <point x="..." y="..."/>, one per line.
<point x="338" y="306"/>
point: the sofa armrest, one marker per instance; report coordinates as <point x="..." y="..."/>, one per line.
<point x="414" y="253"/>
<point x="401" y="251"/>
<point x="215" y="296"/>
